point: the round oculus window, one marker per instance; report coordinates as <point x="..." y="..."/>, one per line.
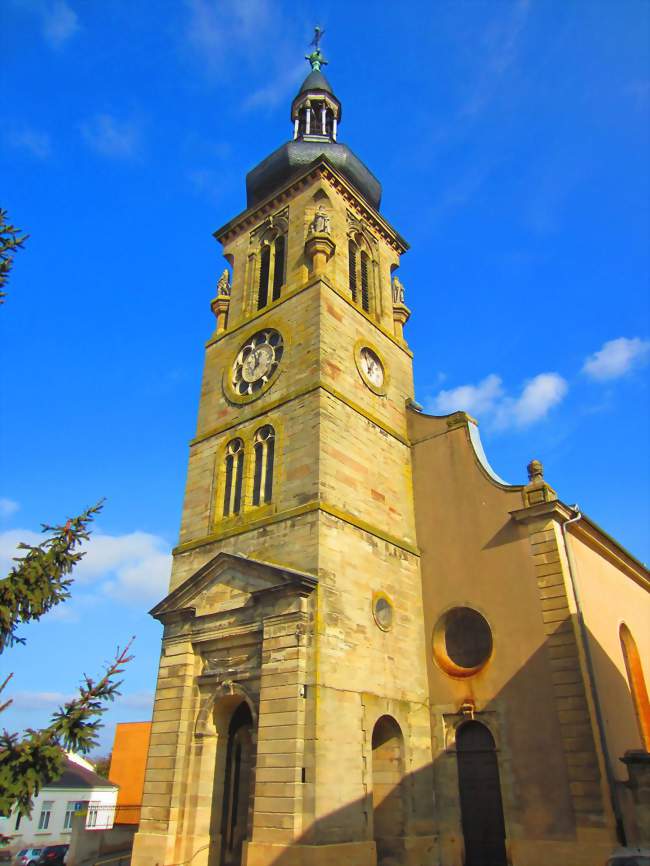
<point x="462" y="641"/>
<point x="256" y="362"/>
<point x="382" y="611"/>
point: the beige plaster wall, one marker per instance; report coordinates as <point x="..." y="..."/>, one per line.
<point x="610" y="596"/>
<point x="474" y="554"/>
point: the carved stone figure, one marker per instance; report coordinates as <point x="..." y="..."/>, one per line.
<point x="223" y="285"/>
<point x="398" y="291"/>
<point x="320" y="225"/>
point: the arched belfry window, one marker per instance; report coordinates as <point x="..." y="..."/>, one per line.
<point x="272" y="263"/>
<point x="360" y="273"/>
<point x="636" y="680"/>
<point x="264" y="449"/>
<point x="233" y="477"/>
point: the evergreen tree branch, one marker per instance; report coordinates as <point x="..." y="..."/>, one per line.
<point x="10" y="241"/>
<point x="39" y="581"/>
<point x="29" y="763"/>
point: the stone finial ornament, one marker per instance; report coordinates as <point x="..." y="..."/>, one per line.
<point x="535" y="471"/>
<point x="537" y="490"/>
<point x="320" y="225"/>
<point x="223" y="284"/>
<point x="398" y="291"/>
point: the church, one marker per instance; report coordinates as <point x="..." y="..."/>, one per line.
<point x="375" y="651"/>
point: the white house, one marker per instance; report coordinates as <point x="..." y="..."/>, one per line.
<point x="79" y="787"/>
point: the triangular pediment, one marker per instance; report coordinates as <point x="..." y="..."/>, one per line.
<point x="230" y="580"/>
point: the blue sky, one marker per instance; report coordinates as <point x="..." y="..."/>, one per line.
<point x="511" y="139"/>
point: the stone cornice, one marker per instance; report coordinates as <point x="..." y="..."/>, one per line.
<point x="288" y="295"/>
<point x="312" y="507"/>
<point x="323" y="169"/>
<point x="295" y="395"/>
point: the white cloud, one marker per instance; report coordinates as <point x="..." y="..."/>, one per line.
<point x="38" y="700"/>
<point x="277" y="90"/>
<point x="501" y="47"/>
<point x="538" y="397"/>
<point x="476" y="399"/>
<point x="132" y="568"/>
<point x="136" y="701"/>
<point x="8" y="507"/>
<point x="219" y="31"/>
<point x="111" y="137"/>
<point x="206" y="182"/>
<point x="60" y="23"/>
<point x="616" y="358"/>
<point x="490" y="399"/>
<point x="36" y="144"/>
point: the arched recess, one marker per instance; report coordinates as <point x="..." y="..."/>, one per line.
<point x="637" y="684"/>
<point x="480" y="796"/>
<point x="387" y="788"/>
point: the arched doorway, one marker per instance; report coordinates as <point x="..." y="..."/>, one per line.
<point x="387" y="775"/>
<point x="237" y="785"/>
<point x="480" y="796"/>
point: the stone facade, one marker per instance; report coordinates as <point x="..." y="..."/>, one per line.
<point x="363" y="621"/>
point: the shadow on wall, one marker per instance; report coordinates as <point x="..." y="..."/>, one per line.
<point x="516" y="781"/>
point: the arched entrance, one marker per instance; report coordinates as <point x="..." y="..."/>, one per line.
<point x="480" y="797"/>
<point x="237" y="785"/>
<point x="387" y="775"/>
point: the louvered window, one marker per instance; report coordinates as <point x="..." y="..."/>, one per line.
<point x="263" y="289"/>
<point x="264" y="459"/>
<point x="278" y="265"/>
<point x="234" y="475"/>
<point x="352" y="263"/>
<point x="365" y="295"/>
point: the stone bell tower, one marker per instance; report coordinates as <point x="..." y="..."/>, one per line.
<point x="292" y="692"/>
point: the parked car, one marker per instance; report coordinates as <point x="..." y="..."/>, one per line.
<point x="53" y="855"/>
<point x="27" y="856"/>
<point x="630" y="857"/>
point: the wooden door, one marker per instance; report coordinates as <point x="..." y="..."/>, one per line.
<point x="480" y="797"/>
<point x="236" y="800"/>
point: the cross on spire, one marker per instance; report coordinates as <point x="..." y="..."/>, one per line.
<point x="316" y="58"/>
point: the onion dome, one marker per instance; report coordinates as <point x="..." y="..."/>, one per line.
<point x="316" y="113"/>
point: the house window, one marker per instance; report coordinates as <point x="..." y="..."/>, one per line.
<point x="72" y="808"/>
<point x="46" y="814"/>
<point x="264" y="448"/>
<point x="234" y="474"/>
<point x="93" y="814"/>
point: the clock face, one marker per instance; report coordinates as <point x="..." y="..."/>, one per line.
<point x="372" y="367"/>
<point x="256" y="362"/>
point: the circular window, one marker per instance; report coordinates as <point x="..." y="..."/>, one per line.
<point x="256" y="362"/>
<point x="462" y="641"/>
<point x="382" y="611"/>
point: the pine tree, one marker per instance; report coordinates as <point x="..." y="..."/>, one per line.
<point x="38" y="582"/>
